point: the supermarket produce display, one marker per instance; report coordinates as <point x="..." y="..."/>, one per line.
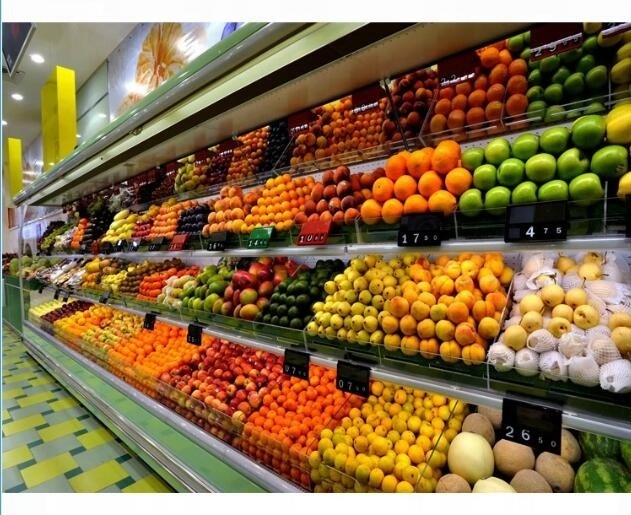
<point x="372" y="237"/>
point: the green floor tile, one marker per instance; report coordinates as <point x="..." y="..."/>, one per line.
<point x="16" y="456"/>
<point x="61" y="429"/>
<point x="48" y="469"/>
<point x="22" y="424"/>
<point x="98" y="478"/>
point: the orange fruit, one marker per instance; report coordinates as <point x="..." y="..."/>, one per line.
<point x="415" y="204"/>
<point x="420" y="161"/>
<point x="442" y="201"/>
<point x="382" y="189"/>
<point x="370" y="212"/>
<point x="447" y="93"/>
<point x="396" y="166"/>
<point x="481" y="82"/>
<point x="505" y="57"/>
<point x="518" y="67"/>
<point x="475" y="116"/>
<point x="517" y="84"/>
<point x="404" y="187"/>
<point x="495" y="92"/>
<point x="498" y="74"/>
<point x="459" y="102"/>
<point x="391" y="211"/>
<point x="438" y="123"/>
<point x="493" y="110"/>
<point x="463" y="88"/>
<point x="489" y="57"/>
<point x="477" y="98"/>
<point x="443" y="106"/>
<point x="446" y="156"/>
<point x="456" y="119"/>
<point x="429" y="183"/>
<point x="516" y="104"/>
<point x="458" y="180"/>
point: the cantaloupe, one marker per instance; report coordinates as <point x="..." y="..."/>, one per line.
<point x="452" y="484"/>
<point x="570" y="448"/>
<point x="471" y="457"/>
<point x="493" y="414"/>
<point x="556" y="471"/>
<point x="492" y="485"/>
<point x="530" y="482"/>
<point x="511" y="457"/>
<point x="479" y="424"/>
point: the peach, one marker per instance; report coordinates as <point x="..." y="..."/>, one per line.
<point x="457" y="312"/>
<point x="465" y="334"/>
<point x="407" y="325"/>
<point x="445" y="330"/>
<point x="488" y="283"/>
<point x="398" y="306"/>
<point x="426" y="328"/>
<point x="419" y="310"/>
<point x="450" y="351"/>
<point x="464" y="283"/>
<point x="467" y="297"/>
<point x="488" y="328"/>
<point x="498" y="299"/>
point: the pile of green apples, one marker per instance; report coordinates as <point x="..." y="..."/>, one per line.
<point x="559" y="164"/>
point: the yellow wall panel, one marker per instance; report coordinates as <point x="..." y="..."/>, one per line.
<point x="14" y="155"/>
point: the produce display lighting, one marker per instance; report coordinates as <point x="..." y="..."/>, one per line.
<point x="37" y="58"/>
<point x="17" y="96"/>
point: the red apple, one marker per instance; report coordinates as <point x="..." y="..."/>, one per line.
<point x="266" y="288"/>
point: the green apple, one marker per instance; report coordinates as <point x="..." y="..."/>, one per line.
<point x="554" y="113"/>
<point x="555" y="189"/>
<point x="511" y="172"/>
<point x="571" y="56"/>
<point x="594" y="108"/>
<point x="536" y="109"/>
<point x="588" y="132"/>
<point x="524" y="193"/>
<point x="472" y="158"/>
<point x="525" y="146"/>
<point x="534" y="93"/>
<point x="586" y="63"/>
<point x="496" y="200"/>
<point x="535" y="78"/>
<point x="590" y="45"/>
<point x="596" y="78"/>
<point x="470" y="202"/>
<point x="574" y="85"/>
<point x="586" y="189"/>
<point x="571" y="163"/>
<point x="496" y="151"/>
<point x="485" y="176"/>
<point x="610" y="161"/>
<point x="560" y="75"/>
<point x="550" y="64"/>
<point x="554" y="140"/>
<point x="515" y="44"/>
<point x="553" y="94"/>
<point x="541" y="167"/>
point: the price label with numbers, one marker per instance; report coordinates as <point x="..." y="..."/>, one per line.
<point x="538" y="221"/>
<point x="458" y="68"/>
<point x="218" y="241"/>
<point x="155" y="244"/>
<point x="627" y="203"/>
<point x="352" y="378"/>
<point x="259" y="237"/>
<point x="104" y="297"/>
<point x="296" y="364"/>
<point x="150" y="321"/>
<point x="66" y="296"/>
<point x="299" y="122"/>
<point x="178" y="242"/>
<point x="134" y="245"/>
<point x="550" y="39"/>
<point x="611" y="29"/>
<point x="121" y="246"/>
<point x="531" y="424"/>
<point x="56" y="294"/>
<point x="107" y="247"/>
<point x="315" y="232"/>
<point x="367" y="99"/>
<point x="194" y="334"/>
<point x="420" y="230"/>
<point x="83" y="248"/>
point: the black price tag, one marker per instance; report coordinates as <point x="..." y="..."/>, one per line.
<point x="49" y="251"/>
<point x="217" y="241"/>
<point x="353" y="378"/>
<point x="420" y="230"/>
<point x="133" y="245"/>
<point x="104" y="297"/>
<point x="41" y="289"/>
<point x="538" y="221"/>
<point x="155" y="244"/>
<point x="83" y="248"/>
<point x="56" y="294"/>
<point x="296" y="364"/>
<point x="107" y="248"/>
<point x="458" y="68"/>
<point x="532" y="424"/>
<point x="367" y="99"/>
<point x="550" y="39"/>
<point x="259" y="237"/>
<point x="627" y="202"/>
<point x="149" y="321"/>
<point x="121" y="246"/>
<point x="299" y="122"/>
<point x="315" y="232"/>
<point x="611" y="29"/>
<point x="194" y="334"/>
<point x="178" y="242"/>
<point x="66" y="296"/>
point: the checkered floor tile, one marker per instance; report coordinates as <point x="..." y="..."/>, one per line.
<point x="50" y="443"/>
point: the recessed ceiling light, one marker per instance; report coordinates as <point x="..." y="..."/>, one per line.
<point x="37" y="58"/>
<point x="78" y="135"/>
<point x="4" y="122"/>
<point x="17" y="96"/>
<point x="102" y="115"/>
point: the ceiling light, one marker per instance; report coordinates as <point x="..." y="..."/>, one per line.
<point x="78" y="135"/>
<point x="102" y="115"/>
<point x="4" y="122"/>
<point x="37" y="58"/>
<point x="17" y="96"/>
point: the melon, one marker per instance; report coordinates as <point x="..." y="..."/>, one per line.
<point x="599" y="446"/>
<point x="528" y="481"/>
<point x="493" y="414"/>
<point x="452" y="484"/>
<point x="511" y="457"/>
<point x="470" y="455"/>
<point x="492" y="485"/>
<point x="570" y="448"/>
<point x="479" y="424"/>
<point x="556" y="471"/>
<point x="602" y="475"/>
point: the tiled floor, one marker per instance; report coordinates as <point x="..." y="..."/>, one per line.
<point x="50" y="443"/>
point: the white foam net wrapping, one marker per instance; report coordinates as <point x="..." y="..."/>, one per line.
<point x="572" y="280"/>
<point x="527" y="362"/>
<point x="541" y="340"/>
<point x="519" y="281"/>
<point x="553" y="366"/>
<point x="603" y="350"/>
<point x="610" y="292"/>
<point x="514" y="320"/>
<point x="572" y="344"/>
<point x="615" y="376"/>
<point x="533" y="263"/>
<point x="501" y="357"/>
<point x="584" y="370"/>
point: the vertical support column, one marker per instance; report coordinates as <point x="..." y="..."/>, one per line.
<point x="59" y="116"/>
<point x="14" y="155"/>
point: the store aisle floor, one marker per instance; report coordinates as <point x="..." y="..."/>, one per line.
<point x="50" y="443"/>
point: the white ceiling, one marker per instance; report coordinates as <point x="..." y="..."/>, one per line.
<point x="79" y="46"/>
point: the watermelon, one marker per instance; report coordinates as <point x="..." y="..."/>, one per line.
<point x="625" y="451"/>
<point x="602" y="475"/>
<point x="599" y="446"/>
